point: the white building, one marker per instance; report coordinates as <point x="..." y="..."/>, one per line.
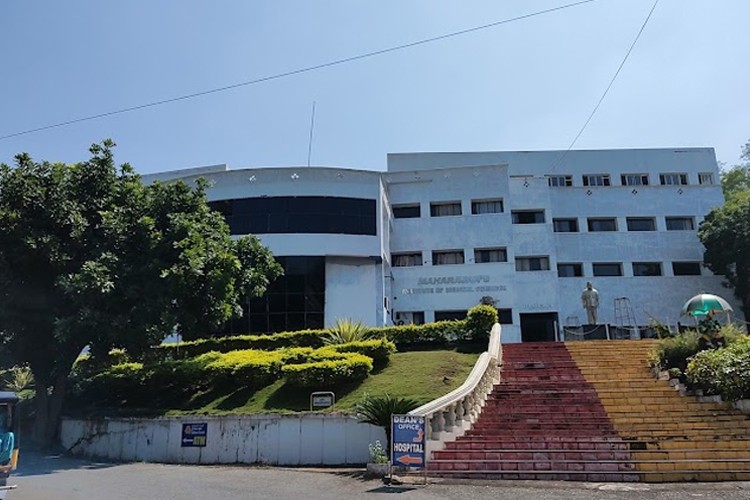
<point x="430" y="237"/>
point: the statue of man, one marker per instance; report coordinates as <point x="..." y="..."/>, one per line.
<point x="590" y="301"/>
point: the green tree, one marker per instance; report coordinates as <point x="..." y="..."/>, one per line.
<point x="91" y="256"/>
<point x="725" y="232"/>
<point x="736" y="180"/>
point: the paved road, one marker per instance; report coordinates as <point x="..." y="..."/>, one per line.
<point x="61" y="478"/>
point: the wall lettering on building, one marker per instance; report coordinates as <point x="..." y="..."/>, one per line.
<point x="465" y="281"/>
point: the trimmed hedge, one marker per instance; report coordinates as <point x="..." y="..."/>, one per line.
<point x="479" y="321"/>
<point x="405" y="337"/>
<point x="378" y="349"/>
<point x="247" y="367"/>
<point x="329" y="374"/>
<point x="723" y="371"/>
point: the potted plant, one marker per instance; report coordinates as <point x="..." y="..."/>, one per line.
<point x="378" y="464"/>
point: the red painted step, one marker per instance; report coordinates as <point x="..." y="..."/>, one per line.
<point x="542" y="421"/>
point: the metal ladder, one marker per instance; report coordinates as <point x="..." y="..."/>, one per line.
<point x="624" y="316"/>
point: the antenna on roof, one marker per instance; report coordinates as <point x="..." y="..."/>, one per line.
<point x="312" y="127"/>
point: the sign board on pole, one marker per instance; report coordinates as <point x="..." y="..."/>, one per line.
<point x="321" y="399"/>
<point x="407" y="441"/>
<point x="194" y="434"/>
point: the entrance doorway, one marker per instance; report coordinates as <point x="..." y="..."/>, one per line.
<point x="538" y="327"/>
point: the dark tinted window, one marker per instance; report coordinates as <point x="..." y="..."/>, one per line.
<point x="505" y="316"/>
<point x="565" y="225"/>
<point x="528" y="216"/>
<point x="680" y="223"/>
<point x="608" y="269"/>
<point x="596" y="225"/>
<point x="406" y="211"/>
<point x="449" y="315"/>
<point x="295" y="301"/>
<point x="641" y="224"/>
<point x="646" y="268"/>
<point x="298" y="214"/>
<point x="569" y="270"/>
<point x="686" y="268"/>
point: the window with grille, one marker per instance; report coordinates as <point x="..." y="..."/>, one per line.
<point x="532" y="263"/>
<point x="673" y="179"/>
<point x="706" y="178"/>
<point x="527" y="216"/>
<point x="479" y="207"/>
<point x="447" y="257"/>
<point x="680" y="223"/>
<point x="634" y="179"/>
<point x="560" y="180"/>
<point x="445" y="209"/>
<point x="485" y="255"/>
<point x="596" y="180"/>
<point x="407" y="259"/>
<point x="565" y="225"/>
<point x="450" y="315"/>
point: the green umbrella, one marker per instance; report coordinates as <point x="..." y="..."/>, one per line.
<point x="702" y="304"/>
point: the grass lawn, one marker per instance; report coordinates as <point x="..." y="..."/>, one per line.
<point x="421" y="375"/>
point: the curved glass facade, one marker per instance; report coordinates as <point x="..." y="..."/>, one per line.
<point x="299" y="214"/>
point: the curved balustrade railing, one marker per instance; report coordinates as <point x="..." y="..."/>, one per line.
<point x="449" y="416"/>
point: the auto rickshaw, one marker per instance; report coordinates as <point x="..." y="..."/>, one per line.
<point x="10" y="424"/>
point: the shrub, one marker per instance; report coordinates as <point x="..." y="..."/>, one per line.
<point x="479" y="321"/>
<point x="723" y="371"/>
<point x="430" y="335"/>
<point x="674" y="352"/>
<point x="377" y="410"/>
<point x="377" y="349"/>
<point x="248" y="367"/>
<point x="329" y="374"/>
<point x="346" y="331"/>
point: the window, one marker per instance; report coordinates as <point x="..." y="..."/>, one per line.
<point x="560" y="180"/>
<point x="532" y="263"/>
<point x="407" y="259"/>
<point x="680" y="223"/>
<point x="673" y="179"/>
<point x="608" y="269"/>
<point x="641" y="224"/>
<point x="569" y="270"/>
<point x="445" y="209"/>
<point x="449" y="315"/>
<point x="705" y="178"/>
<point x="447" y="257"/>
<point x="634" y="179"/>
<point x="407" y="211"/>
<point x="292" y="302"/>
<point x="505" y="316"/>
<point x="646" y="268"/>
<point x="528" y="216"/>
<point x="686" y="268"/>
<point x="602" y="224"/>
<point x="565" y="225"/>
<point x="484" y="255"/>
<point x="409" y="318"/>
<point x="299" y="214"/>
<point x="479" y="207"/>
<point x="596" y="180"/>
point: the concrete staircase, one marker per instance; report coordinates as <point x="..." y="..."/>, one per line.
<point x="592" y="411"/>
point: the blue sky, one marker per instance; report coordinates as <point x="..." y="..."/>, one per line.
<point x="522" y="86"/>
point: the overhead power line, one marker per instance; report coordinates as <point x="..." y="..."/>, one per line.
<point x="336" y="62"/>
<point x="606" y="91"/>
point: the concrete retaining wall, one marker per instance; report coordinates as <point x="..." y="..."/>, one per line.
<point x="307" y="439"/>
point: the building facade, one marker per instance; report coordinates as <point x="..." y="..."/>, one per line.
<point x="439" y="232"/>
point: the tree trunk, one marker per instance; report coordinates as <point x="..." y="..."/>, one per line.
<point x="48" y="406"/>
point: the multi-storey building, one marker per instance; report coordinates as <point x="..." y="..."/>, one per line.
<point x="438" y="232"/>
